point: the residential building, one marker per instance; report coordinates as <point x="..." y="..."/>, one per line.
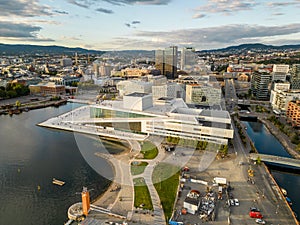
<point x="66" y="62"/>
<point x="260" y="85"/>
<point x="280" y="99"/>
<point x="295" y="77"/>
<point x="281" y="68"/>
<point x="281" y="86"/>
<point x="134" y="72"/>
<point x="293" y="113"/>
<point x="280" y="72"/>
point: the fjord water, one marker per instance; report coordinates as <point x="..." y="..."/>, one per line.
<point x="30" y="157"/>
<point x="266" y="143"/>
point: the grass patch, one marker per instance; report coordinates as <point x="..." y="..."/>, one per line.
<point x="141" y="194"/>
<point x="166" y="180"/>
<point x="138" y="167"/>
<point x="149" y="150"/>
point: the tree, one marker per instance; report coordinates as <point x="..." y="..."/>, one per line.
<point x="2" y="93"/>
<point x="258" y="160"/>
<point x="11" y="94"/>
<point x="224" y="149"/>
<point x="202" y="145"/>
<point x="18" y="104"/>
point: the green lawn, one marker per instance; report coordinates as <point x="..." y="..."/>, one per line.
<point x="141" y="194"/>
<point x="149" y="150"/>
<point x="139" y="168"/>
<point x="166" y="180"/>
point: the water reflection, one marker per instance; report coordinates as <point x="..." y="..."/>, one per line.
<point x="266" y="143"/>
<point x="30" y="156"/>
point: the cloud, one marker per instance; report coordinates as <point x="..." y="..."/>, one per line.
<point x="277" y="14"/>
<point x="138" y="2"/>
<point x="199" y="16"/>
<point x="16" y="30"/>
<point x="281" y="4"/>
<point x="226" y="6"/>
<point x="211" y="37"/>
<point x="135" y="22"/>
<point x="81" y="3"/>
<point x="132" y="24"/>
<point x="23" y="8"/>
<point x="88" y="3"/>
<point x="60" y="12"/>
<point x="107" y="11"/>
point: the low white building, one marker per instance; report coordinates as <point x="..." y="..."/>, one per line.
<point x="166" y="117"/>
<point x="130" y="86"/>
<point x="169" y="90"/>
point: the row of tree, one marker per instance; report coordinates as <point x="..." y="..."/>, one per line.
<point x="199" y="145"/>
<point x="13" y="90"/>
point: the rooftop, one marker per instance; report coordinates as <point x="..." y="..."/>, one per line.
<point x="137" y="94"/>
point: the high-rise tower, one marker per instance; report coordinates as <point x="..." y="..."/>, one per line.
<point x="188" y="58"/>
<point x="166" y="61"/>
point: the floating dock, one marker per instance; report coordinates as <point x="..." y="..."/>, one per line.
<point x="58" y="182"/>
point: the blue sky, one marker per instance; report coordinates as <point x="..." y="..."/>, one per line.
<point x="149" y="24"/>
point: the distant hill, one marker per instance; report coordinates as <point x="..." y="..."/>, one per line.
<point x="17" y="49"/>
<point x="257" y="47"/>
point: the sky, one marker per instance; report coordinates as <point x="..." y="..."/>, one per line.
<point x="149" y="24"/>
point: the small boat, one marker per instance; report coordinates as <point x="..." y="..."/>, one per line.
<point x="289" y="201"/>
<point x="58" y="182"/>
<point x="284" y="192"/>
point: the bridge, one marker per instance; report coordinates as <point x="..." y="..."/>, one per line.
<point x="276" y="159"/>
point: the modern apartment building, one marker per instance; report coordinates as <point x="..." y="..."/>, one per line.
<point x="280" y="99"/>
<point x="281" y="68"/>
<point x="293" y="113"/>
<point x="295" y="76"/>
<point x="260" y="85"/>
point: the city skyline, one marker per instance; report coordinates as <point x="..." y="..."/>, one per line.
<point x="149" y="24"/>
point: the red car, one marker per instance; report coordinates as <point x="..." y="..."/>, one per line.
<point x="255" y="215"/>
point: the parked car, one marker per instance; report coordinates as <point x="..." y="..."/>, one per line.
<point x="260" y="221"/>
<point x="255" y="215"/>
<point x="254" y="209"/>
<point x="236" y="202"/>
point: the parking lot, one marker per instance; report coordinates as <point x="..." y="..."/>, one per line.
<point x="256" y="192"/>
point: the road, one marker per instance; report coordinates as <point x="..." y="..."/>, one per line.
<point x="263" y="194"/>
